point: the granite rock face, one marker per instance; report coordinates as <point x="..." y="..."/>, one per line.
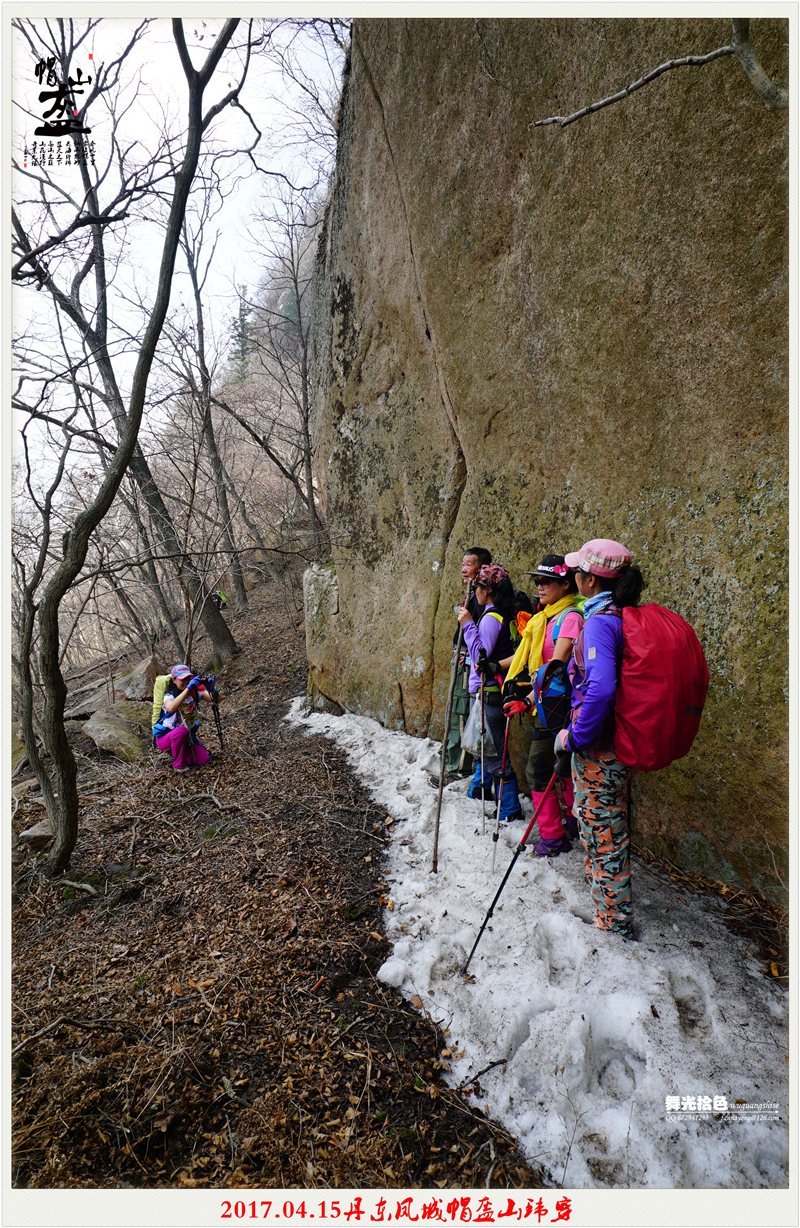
<point x="526" y="337"/>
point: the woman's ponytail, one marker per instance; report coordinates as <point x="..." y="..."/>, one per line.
<point x="627" y="586"/>
<point x="503" y="599"/>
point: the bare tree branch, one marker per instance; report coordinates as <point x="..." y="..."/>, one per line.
<point x="57" y="240"/>
<point x="773" y="95"/>
<point x="563" y="120"/>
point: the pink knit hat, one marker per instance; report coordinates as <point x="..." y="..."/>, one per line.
<point x="600" y="557"/>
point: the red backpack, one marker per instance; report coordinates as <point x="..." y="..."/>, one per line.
<point x="661" y="690"/>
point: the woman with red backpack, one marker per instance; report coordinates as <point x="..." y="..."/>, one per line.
<point x="608" y="583"/>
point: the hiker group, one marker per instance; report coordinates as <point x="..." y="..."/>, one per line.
<point x="610" y="686"/>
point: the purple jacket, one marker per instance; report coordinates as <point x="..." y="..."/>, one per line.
<point x="594" y="672"/>
<point x="493" y="635"/>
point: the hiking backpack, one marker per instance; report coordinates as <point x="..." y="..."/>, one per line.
<point x="159" y="691"/>
<point x="661" y="689"/>
<point x="551" y="692"/>
<point x="160" y="688"/>
<point x="524" y="607"/>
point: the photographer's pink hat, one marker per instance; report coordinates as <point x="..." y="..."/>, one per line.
<point x="600" y="557"/>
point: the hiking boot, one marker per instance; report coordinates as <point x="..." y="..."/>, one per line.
<point x="551" y="848"/>
<point x="481" y="788"/>
<point x="516" y="817"/>
<point x="509" y="806"/>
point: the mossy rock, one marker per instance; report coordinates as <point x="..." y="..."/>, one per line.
<point x="113" y="728"/>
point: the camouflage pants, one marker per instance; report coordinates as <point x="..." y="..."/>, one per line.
<point x="600" y="805"/>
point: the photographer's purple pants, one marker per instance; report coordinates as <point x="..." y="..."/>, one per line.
<point x="185" y="753"/>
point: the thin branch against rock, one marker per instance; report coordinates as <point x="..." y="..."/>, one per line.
<point x="773" y="95"/>
<point x="692" y="60"/>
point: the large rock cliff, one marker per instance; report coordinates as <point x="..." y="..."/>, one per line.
<point x="526" y="337"/>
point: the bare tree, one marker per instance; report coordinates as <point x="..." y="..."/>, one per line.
<point x="66" y="265"/>
<point x="274" y="405"/>
<point x="309" y="56"/>
<point x="200" y="391"/>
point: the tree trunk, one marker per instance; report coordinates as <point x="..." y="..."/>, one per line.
<point x="223" y="644"/>
<point x="63" y="808"/>
<point x="208" y="429"/>
<point x="227" y="527"/>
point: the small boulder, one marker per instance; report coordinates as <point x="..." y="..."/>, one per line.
<point x="83" y="702"/>
<point x="137" y="683"/>
<point x="22" y="786"/>
<point x="133" y="684"/>
<point x="38" y="836"/>
<point x="113" y="728"/>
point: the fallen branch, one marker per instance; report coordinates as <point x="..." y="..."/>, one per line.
<point x="563" y="120"/>
<point x="204" y="797"/>
<point x="356" y="831"/>
<point x="773" y="95"/>
<point x="22" y="763"/>
<point x="341" y="1035"/>
<point x="75" y="1023"/>
<point x="68" y="882"/>
<point x="501" y="1061"/>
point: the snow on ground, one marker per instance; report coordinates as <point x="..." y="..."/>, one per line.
<point x="591" y="1033"/>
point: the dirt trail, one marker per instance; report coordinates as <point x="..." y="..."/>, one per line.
<point x="210" y="1017"/>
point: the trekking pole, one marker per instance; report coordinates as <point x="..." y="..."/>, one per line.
<point x="217" y="721"/>
<point x="517" y="852"/>
<point x="496" y="833"/>
<point x="447" y="714"/>
<point x="483" y="784"/>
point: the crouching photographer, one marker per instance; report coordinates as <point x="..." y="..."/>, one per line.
<point x="175" y="720"/>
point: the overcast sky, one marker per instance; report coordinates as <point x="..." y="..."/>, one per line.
<point x="154" y="94"/>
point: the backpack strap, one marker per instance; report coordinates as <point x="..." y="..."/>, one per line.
<point x="494" y="614"/>
<point x="160" y="686"/>
<point x="557" y="621"/>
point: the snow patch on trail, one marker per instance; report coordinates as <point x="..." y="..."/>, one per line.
<point x="592" y="1032"/>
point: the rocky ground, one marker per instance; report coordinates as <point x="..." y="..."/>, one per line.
<point x="195" y="1001"/>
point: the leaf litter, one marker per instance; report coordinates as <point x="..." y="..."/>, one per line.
<point x="211" y="1016"/>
